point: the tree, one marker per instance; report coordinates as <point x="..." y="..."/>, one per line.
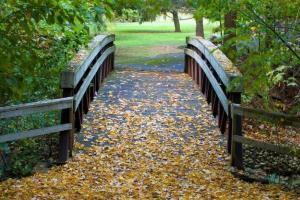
<point x="37" y="40"/>
<point x="199" y="27"/>
<point x="174" y="7"/>
<point x="263" y="44"/>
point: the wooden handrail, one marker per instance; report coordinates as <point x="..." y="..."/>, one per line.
<point x="215" y="84"/>
<point x="224" y="68"/>
<point x="77" y="68"/>
<point x="65" y="128"/>
<point x="91" y="75"/>
<point x="79" y="82"/>
<point x="280" y="118"/>
<point x="238" y="139"/>
<point x="86" y="72"/>
<point x="213" y="72"/>
<point x="40" y="106"/>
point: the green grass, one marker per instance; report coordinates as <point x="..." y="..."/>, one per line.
<point x="137" y="42"/>
<point x="153" y="33"/>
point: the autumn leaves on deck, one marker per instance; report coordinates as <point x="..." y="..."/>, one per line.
<point x="148" y="135"/>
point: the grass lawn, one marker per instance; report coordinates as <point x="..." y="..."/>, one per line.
<point x="153" y="33"/>
<point x="135" y="42"/>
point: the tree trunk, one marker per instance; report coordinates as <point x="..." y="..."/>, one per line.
<point x="200" y="27"/>
<point x="176" y="21"/>
<point x="229" y="33"/>
<point x="230" y="25"/>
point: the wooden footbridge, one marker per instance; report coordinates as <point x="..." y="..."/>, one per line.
<point x="212" y="72"/>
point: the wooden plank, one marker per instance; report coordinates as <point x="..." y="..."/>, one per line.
<point x="267" y="116"/>
<point x="35" y="132"/>
<point x="71" y="79"/>
<point x="80" y="72"/>
<point x="218" y="68"/>
<point x="40" y="106"/>
<point x="267" y="146"/>
<point x="215" y="84"/>
<point x="85" y="85"/>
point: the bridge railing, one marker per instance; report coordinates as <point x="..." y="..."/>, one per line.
<point x="238" y="139"/>
<point x="86" y="73"/>
<point x="213" y="72"/>
<point x="80" y="82"/>
<point x="65" y="128"/>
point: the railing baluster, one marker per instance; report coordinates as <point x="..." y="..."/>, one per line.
<point x="236" y="148"/>
<point x="235" y="97"/>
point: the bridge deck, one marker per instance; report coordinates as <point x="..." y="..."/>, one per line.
<point x="147" y="135"/>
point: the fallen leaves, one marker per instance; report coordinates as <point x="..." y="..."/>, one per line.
<point x="147" y="141"/>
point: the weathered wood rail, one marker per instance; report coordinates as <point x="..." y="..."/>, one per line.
<point x="66" y="127"/>
<point x="238" y="139"/>
<point x="213" y="72"/>
<point x="84" y="77"/>
<point x="80" y="82"/>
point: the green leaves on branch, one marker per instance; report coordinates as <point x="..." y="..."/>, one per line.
<point x="37" y="40"/>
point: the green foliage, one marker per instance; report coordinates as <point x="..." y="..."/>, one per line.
<point x="38" y="38"/>
<point x="24" y="158"/>
<point x="129" y="15"/>
<point x="267" y="44"/>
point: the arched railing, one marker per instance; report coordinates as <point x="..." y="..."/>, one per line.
<point x="213" y="72"/>
<point x="80" y="81"/>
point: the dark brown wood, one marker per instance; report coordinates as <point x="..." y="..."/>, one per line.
<point x="78" y="119"/>
<point x="113" y="61"/>
<point x="36" y="107"/>
<point x="66" y="138"/>
<point x="195" y="70"/>
<point x="236" y="148"/>
<point x="186" y="64"/>
<point x="197" y="74"/>
<point x="223" y="123"/>
<point x="189" y="65"/>
<point x="235" y="97"/>
<point x="202" y="81"/>
<point x="288" y="150"/>
<point x="220" y="114"/>
<point x="85" y="102"/>
<point x="236" y="157"/>
<point x="35" y="133"/>
<point x="278" y="118"/>
<point x="214" y="106"/>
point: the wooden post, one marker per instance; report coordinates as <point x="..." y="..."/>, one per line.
<point x="236" y="148"/>
<point x="197" y="74"/>
<point x="113" y="61"/>
<point x="66" y="138"/>
<point x="234" y="97"/>
<point x="186" y="64"/>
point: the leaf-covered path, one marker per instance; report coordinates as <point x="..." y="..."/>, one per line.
<point x="148" y="135"/>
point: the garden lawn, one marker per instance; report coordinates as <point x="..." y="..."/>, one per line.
<point x="136" y="42"/>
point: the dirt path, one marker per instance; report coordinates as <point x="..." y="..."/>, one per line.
<point x="149" y="135"/>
